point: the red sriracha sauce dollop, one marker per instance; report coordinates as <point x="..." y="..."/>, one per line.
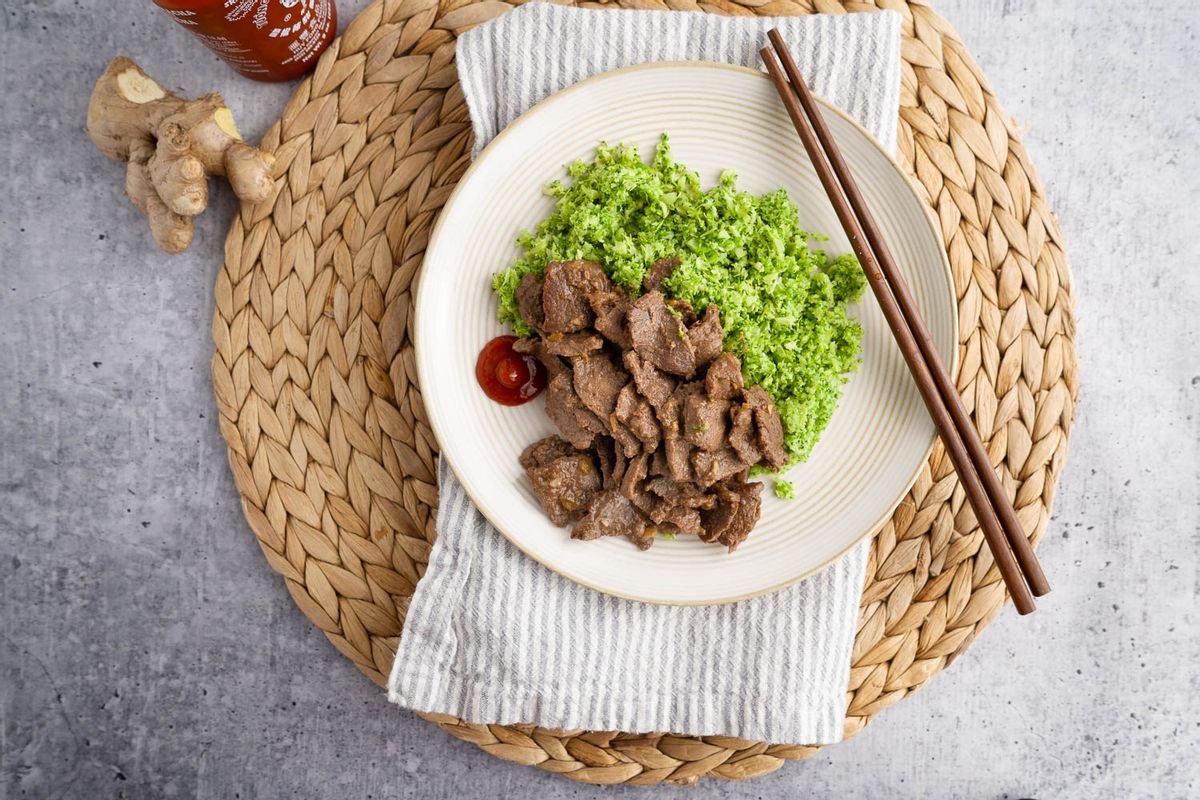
<point x="506" y="376"/>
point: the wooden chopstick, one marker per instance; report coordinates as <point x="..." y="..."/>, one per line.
<point x="933" y="381"/>
<point x="1013" y="532"/>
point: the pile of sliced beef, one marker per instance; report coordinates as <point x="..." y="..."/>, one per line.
<point x="656" y="430"/>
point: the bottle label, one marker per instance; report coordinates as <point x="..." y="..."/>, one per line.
<point x="298" y="26"/>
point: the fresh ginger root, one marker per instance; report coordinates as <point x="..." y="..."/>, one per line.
<point x="172" y="146"/>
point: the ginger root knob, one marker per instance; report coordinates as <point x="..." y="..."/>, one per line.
<point x="172" y="145"/>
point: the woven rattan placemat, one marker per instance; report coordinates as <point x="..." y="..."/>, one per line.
<point x="328" y="440"/>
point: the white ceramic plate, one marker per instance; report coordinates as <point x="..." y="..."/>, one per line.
<point x="718" y="117"/>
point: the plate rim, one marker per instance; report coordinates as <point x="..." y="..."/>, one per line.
<point x="424" y="369"/>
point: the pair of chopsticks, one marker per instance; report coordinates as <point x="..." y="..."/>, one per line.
<point x="1012" y="552"/>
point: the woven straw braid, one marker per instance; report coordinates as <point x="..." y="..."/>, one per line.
<point x="332" y="452"/>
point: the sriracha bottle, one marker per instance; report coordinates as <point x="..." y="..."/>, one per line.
<point x="267" y="40"/>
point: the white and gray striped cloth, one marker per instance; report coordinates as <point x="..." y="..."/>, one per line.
<point x="494" y="637"/>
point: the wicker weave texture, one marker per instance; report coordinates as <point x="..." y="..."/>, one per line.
<point x="332" y="453"/>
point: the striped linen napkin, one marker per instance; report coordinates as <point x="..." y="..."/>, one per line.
<point x="492" y="636"/>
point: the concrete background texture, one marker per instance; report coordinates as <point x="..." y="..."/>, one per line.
<point x="147" y="649"/>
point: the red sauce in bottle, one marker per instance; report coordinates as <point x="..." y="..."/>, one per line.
<point x="506" y="376"/>
<point x="267" y="40"/>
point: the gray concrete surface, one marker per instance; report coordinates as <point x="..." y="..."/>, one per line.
<point x="147" y="650"/>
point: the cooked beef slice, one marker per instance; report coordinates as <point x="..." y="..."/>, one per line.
<point x="710" y="468"/>
<point x="529" y="301"/>
<point x="611" y="514"/>
<point x="654" y="385"/>
<point x="643" y="500"/>
<point x="689" y="389"/>
<point x="670" y="416"/>
<point x="737" y="512"/>
<point x="678" y="518"/>
<point x="543" y="451"/>
<point x="635" y="473"/>
<point x="576" y="424"/>
<point x="678" y="451"/>
<point x="677" y="504"/>
<point x="565" y="486"/>
<point x="706" y="337"/>
<point x="659" y="337"/>
<point x="614" y="460"/>
<point x="537" y="348"/>
<point x="658" y="462"/>
<point x="743" y="436"/>
<point x="565" y="288"/>
<point x="667" y="488"/>
<point x="770" y="427"/>
<point x="635" y="413"/>
<point x="604" y="455"/>
<point x="724" y="378"/>
<point x="704" y="421"/>
<point x="664" y="486"/>
<point x="646" y="540"/>
<point x="620" y="464"/>
<point x="683" y="311"/>
<point x="611" y="308"/>
<point x="659" y="271"/>
<point x="631" y="483"/>
<point x="573" y="345"/>
<point x="717" y="519"/>
<point x="685" y="494"/>
<point x="598" y="381"/>
<point x="630" y="445"/>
